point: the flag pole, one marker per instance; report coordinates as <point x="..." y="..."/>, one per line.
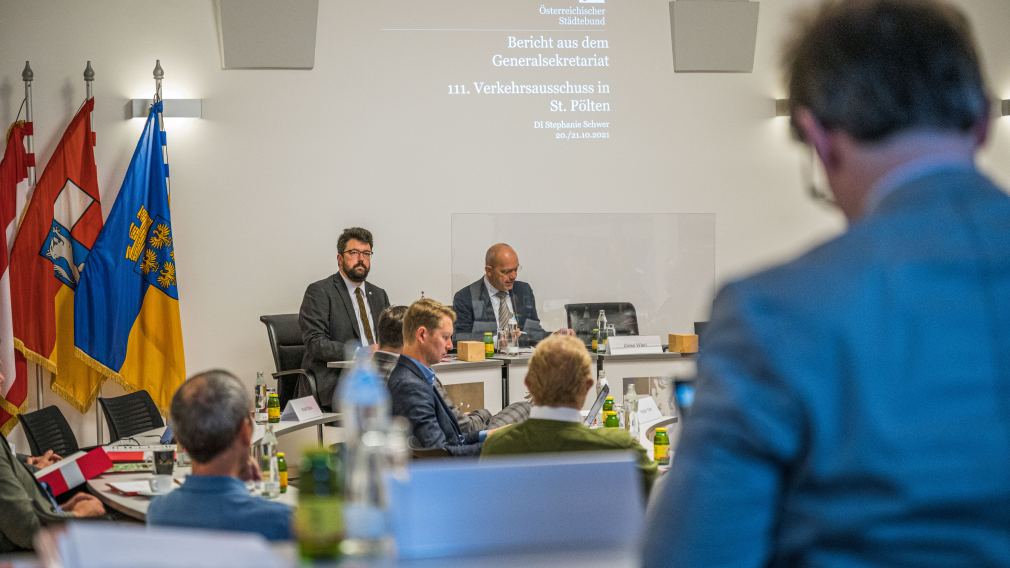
<point x="159" y="74"/>
<point x="27" y="75"/>
<point x="89" y="77"/>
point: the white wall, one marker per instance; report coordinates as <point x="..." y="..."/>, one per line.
<point x="282" y="160"/>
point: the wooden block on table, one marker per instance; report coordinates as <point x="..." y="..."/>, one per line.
<point x="683" y="343"/>
<point x="470" y="350"/>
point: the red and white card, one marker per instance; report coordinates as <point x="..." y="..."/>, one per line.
<point x="74" y="470"/>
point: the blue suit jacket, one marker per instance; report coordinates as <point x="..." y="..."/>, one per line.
<point x="432" y="422"/>
<point x="475" y="314"/>
<point x="853" y="406"/>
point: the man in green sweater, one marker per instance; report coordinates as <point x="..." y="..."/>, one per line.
<point x="559" y="378"/>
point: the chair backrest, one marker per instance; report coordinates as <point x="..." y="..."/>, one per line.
<point x="47" y="429"/>
<point x="130" y="414"/>
<point x="582" y="318"/>
<point x="534" y="503"/>
<point x="285" y="337"/>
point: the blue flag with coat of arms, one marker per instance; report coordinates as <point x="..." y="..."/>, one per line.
<point x="126" y="315"/>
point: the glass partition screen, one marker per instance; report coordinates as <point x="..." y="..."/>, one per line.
<point x="663" y="264"/>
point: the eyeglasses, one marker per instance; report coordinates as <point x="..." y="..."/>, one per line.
<point x="816" y="190"/>
<point x="354" y="253"/>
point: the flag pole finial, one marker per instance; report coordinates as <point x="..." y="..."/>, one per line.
<point x="27" y="75"/>
<point x="159" y="74"/>
<point x="89" y="76"/>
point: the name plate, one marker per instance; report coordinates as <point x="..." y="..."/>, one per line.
<point x="633" y="345"/>
<point x="647" y="410"/>
<point x="301" y="409"/>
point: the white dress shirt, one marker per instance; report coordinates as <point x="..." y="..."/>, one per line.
<point x="559" y="413"/>
<point x="491" y="290"/>
<point x="351" y="287"/>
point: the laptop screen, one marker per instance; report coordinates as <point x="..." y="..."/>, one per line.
<point x="168" y="437"/>
<point x="604" y="392"/>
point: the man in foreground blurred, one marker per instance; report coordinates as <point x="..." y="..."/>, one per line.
<point x="834" y="425"/>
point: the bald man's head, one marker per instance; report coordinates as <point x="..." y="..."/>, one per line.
<point x="501" y="266"/>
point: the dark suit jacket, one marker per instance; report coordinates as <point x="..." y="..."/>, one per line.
<point x="432" y="421"/>
<point x="328" y="322"/>
<point x="475" y="314"/>
<point x="25" y="507"/>
<point x="852" y="404"/>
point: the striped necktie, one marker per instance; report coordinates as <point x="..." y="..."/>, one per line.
<point x="504" y="313"/>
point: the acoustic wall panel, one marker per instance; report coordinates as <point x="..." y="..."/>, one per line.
<point x="713" y="35"/>
<point x="267" y="34"/>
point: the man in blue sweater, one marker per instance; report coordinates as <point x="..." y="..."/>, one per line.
<point x="210" y="416"/>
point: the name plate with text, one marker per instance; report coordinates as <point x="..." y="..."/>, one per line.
<point x="301" y="409"/>
<point x="647" y="410"/>
<point x="634" y="345"/>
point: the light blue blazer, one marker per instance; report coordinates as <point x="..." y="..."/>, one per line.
<point x="853" y="406"/>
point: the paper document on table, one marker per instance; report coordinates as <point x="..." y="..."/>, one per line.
<point x="139" y="448"/>
<point x="129" y="487"/>
<point x="107" y="545"/>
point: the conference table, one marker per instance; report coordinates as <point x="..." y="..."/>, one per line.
<point x="499" y="380"/>
<point x="471" y="384"/>
<point x="135" y="506"/>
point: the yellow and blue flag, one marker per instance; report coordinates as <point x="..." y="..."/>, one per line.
<point x="126" y="314"/>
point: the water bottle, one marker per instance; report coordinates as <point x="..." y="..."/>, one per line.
<point x="268" y="464"/>
<point x="364" y="404"/>
<point x="260" y="413"/>
<point x="631" y="412"/>
<point x="601" y="323"/>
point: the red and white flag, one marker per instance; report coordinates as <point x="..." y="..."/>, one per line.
<point x="58" y="229"/>
<point x="13" y="190"/>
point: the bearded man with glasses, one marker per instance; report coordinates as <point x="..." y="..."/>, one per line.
<point x="340" y="311"/>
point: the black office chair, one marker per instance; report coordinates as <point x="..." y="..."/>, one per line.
<point x="130" y="414"/>
<point x="582" y="318"/>
<point x="47" y="429"/>
<point x="285" y="337"/>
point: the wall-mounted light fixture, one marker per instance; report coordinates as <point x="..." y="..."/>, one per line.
<point x="174" y="108"/>
<point x="1005" y="108"/>
<point x="782" y="107"/>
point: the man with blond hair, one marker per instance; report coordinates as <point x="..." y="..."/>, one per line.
<point x="559" y="377"/>
<point x="427" y="337"/>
